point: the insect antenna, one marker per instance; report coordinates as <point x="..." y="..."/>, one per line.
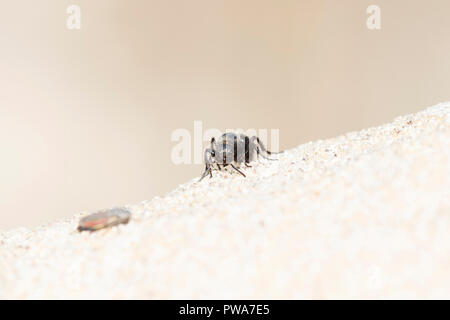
<point x="263" y="148"/>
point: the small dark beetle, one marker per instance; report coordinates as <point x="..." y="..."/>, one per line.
<point x="234" y="149"/>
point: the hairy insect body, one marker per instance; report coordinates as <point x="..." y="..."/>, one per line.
<point x="233" y="149"/>
<point x="230" y="149"/>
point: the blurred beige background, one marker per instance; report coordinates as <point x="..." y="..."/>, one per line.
<point x="86" y="115"/>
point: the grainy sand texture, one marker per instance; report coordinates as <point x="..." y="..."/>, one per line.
<point x="363" y="215"/>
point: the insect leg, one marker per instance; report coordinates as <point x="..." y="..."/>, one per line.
<point x="237" y="170"/>
<point x="207" y="170"/>
<point x="208" y="157"/>
<point x="263" y="148"/>
<point x="258" y="152"/>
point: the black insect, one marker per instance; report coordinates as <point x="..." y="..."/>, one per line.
<point x="234" y="149"/>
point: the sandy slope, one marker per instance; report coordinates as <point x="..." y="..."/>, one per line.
<point x="364" y="215"/>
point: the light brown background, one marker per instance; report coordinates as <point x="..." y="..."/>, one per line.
<point x="86" y="116"/>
